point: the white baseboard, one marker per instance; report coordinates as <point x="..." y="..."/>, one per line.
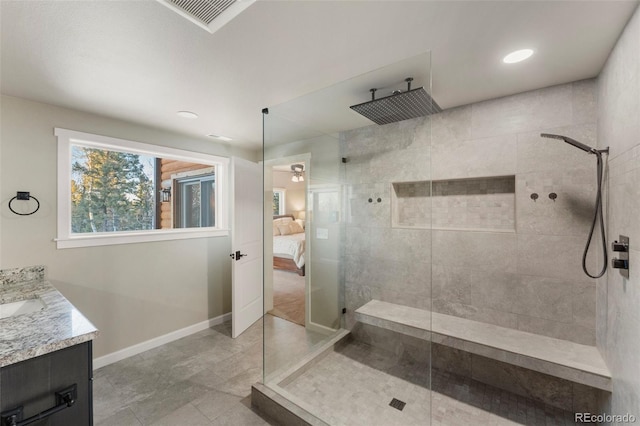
<point x="158" y="341"/>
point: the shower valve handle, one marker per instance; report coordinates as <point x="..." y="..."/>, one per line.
<point x="618" y="246"/>
<point x="619" y="263"/>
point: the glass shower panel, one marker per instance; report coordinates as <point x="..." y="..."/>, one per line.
<point x="365" y="347"/>
<point x="299" y="320"/>
<point x="388" y="264"/>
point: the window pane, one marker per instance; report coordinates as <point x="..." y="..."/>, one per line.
<point x="111" y="191"/>
<point x="115" y="191"/>
<point x="195" y="200"/>
<point x="191" y="204"/>
<point x="209" y="202"/>
<point x="276" y="202"/>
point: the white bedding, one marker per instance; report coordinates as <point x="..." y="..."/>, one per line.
<point x="290" y="246"/>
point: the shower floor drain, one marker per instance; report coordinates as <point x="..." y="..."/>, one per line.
<point x="397" y="404"/>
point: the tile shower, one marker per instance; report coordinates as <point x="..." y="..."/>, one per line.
<point x="470" y="214"/>
<point x="467" y="239"/>
<point x="497" y="255"/>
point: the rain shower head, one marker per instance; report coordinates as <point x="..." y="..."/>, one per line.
<point x="570" y="141"/>
<point x="398" y="106"/>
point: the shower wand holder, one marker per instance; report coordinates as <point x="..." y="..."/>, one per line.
<point x="621" y="262"/>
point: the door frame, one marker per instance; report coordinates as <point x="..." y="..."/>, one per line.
<point x="268" y="235"/>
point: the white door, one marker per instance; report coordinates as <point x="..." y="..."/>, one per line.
<point x="246" y="245"/>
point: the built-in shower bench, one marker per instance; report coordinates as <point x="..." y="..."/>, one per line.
<point x="567" y="360"/>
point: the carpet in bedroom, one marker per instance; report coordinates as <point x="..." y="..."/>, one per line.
<point x="288" y="296"/>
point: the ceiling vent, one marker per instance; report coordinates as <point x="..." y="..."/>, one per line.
<point x="208" y="14"/>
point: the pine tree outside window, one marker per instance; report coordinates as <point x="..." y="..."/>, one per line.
<point x="111" y="191"/>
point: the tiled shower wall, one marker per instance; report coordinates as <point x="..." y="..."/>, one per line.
<point x="527" y="273"/>
<point x="619" y="298"/>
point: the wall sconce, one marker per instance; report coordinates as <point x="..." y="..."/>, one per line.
<point x="165" y="195"/>
<point x="297" y="170"/>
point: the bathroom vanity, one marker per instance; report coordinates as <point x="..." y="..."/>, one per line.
<point x="45" y="354"/>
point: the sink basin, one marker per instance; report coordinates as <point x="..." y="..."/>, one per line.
<point x="21" y="307"/>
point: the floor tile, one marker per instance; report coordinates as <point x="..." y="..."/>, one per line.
<point x="190" y="381"/>
<point x="354" y="384"/>
<point x="165" y="400"/>
<point x="124" y="417"/>
<point x="205" y="379"/>
<point x="185" y="415"/>
<point x="214" y="404"/>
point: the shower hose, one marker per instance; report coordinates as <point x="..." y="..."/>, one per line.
<point x="597" y="212"/>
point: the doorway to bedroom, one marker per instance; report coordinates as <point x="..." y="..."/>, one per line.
<point x="289" y="187"/>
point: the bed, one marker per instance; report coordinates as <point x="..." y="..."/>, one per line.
<point x="288" y="249"/>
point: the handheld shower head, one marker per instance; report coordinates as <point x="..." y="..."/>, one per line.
<point x="570" y="141"/>
<point x="598" y="210"/>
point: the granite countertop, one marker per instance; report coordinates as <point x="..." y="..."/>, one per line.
<point x="57" y="326"/>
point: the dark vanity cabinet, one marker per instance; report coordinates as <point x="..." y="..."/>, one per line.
<point x="39" y="384"/>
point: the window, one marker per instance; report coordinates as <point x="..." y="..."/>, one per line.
<point x="195" y="201"/>
<point x="278" y="201"/>
<point x="114" y="191"/>
<point x="111" y="191"/>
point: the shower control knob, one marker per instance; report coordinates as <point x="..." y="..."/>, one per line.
<point x="619" y="263"/>
<point x="619" y="246"/>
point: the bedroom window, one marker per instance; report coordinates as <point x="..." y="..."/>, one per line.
<point x="114" y="191"/>
<point x="278" y="201"/>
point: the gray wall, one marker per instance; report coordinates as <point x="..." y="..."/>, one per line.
<point x="384" y="263"/>
<point x="619" y="298"/>
<point x="295" y="199"/>
<point x="131" y="292"/>
<point x="528" y="277"/>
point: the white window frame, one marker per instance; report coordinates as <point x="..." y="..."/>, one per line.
<point x="67" y="239"/>
<point x="282" y="206"/>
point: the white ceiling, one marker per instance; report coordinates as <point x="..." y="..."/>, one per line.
<point x="141" y="62"/>
<point x="286" y="167"/>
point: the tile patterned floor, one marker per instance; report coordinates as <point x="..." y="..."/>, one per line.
<point x="203" y="379"/>
<point x="286" y="342"/>
<point x="355" y="384"/>
<point x="461" y="401"/>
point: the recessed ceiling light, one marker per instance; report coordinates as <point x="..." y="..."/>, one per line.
<point x="188" y="114"/>
<point x="517" y="56"/>
<point x="222" y="138"/>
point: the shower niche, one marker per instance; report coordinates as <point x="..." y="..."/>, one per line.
<point x="473" y="204"/>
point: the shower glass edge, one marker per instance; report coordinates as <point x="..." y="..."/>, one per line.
<point x="286" y="343"/>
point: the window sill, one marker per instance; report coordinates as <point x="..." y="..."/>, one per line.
<point x="108" y="239"/>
